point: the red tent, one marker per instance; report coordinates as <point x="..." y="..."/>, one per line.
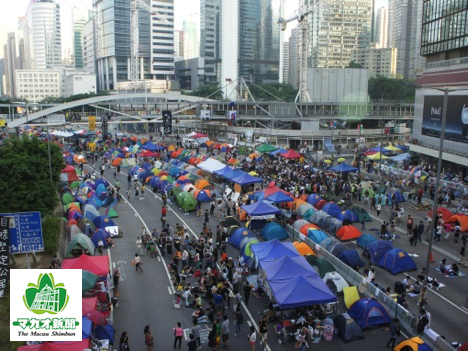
<point x="348" y="232"/>
<point x="68" y="174"/>
<point x="291" y="154"/>
<point x="446" y="214"/>
<point x="148" y="153"/>
<point x="57" y="346"/>
<point x="319" y="204"/>
<point x="198" y="135"/>
<point x="88" y="304"/>
<point x="271" y="189"/>
<point x="98" y="265"/>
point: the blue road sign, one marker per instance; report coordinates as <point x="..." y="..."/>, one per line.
<point x="25" y="232"/>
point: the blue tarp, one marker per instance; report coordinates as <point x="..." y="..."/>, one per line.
<point x="105" y="332"/>
<point x="368" y="312"/>
<point x="223" y="171"/>
<point x="279" y="151"/>
<point x="396" y="261"/>
<point x="279" y="197"/>
<point x="103" y="221"/>
<point x="402" y="157"/>
<point x="87" y="326"/>
<point x="344" y="168"/>
<point x="316" y="235"/>
<point x="329" y="145"/>
<point x="238" y="235"/>
<point x="377" y="249"/>
<point x="246" y="179"/>
<point x="381" y="149"/>
<point x="273" y="231"/>
<point x="260" y="208"/>
<point x="233" y="174"/>
<point x="152" y="147"/>
<point x="273" y="250"/>
<point x="300" y="292"/>
<point x="279" y="270"/>
<point x="365" y="239"/>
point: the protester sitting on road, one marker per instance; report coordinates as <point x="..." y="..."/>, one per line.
<point x="415" y="288"/>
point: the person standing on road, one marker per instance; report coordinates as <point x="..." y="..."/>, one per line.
<point x="212" y="338"/>
<point x="414" y="236"/>
<point x="263" y="330"/>
<point x="252" y="338"/>
<point x="247" y="291"/>
<point x="438" y="232"/>
<point x="409" y="225"/>
<point x="238" y="320"/>
<point x="137" y="261"/>
<point x="225" y="332"/>
<point x="196" y="332"/>
<point x="192" y="343"/>
<point x="123" y="343"/>
<point x="379" y="209"/>
<point x="421" y="230"/>
<point x="394" y="333"/>
<point x="207" y="217"/>
<point x="139" y="246"/>
<point x="178" y="333"/>
<point x="462" y="253"/>
<point x="149" y="338"/>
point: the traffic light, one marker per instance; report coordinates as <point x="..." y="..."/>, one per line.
<point x="167" y="121"/>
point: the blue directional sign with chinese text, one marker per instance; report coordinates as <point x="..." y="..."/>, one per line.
<point x="25" y="232"/>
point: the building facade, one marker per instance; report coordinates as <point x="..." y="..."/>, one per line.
<point x="379" y="62"/>
<point x="444" y="43"/>
<point x="36" y="85"/>
<point x="191" y="40"/>
<point x="80" y="16"/>
<point x="381" y="27"/>
<point x="190" y="73"/>
<point x="286" y="62"/>
<point x="162" y="40"/>
<point x="9" y="54"/>
<point x="210" y="39"/>
<point x="336" y="28"/>
<point x="89" y="54"/>
<point x="42" y="35"/>
<point x="293" y="74"/>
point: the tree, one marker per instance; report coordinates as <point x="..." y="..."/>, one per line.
<point x="273" y="91"/>
<point x="25" y="182"/>
<point x="382" y="88"/>
<point x="353" y="64"/>
<point x="206" y="90"/>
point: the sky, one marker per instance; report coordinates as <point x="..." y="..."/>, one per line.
<point x="184" y="10"/>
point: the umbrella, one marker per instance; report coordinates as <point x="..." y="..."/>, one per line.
<point x="341" y="159"/>
<point x="327" y="162"/>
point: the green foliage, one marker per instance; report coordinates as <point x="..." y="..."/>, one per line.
<point x="382" y="88"/>
<point x="273" y="91"/>
<point x="206" y="90"/>
<point x="353" y="64"/>
<point x="25" y="182"/>
<point x="51" y="233"/>
<point x="7" y="345"/>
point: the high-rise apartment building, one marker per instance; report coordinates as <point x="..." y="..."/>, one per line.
<point x="416" y="60"/>
<point x="380" y="62"/>
<point x="88" y="47"/>
<point x="336" y="28"/>
<point x="80" y="16"/>
<point x="191" y="41"/>
<point x="178" y="45"/>
<point x="381" y="27"/>
<point x="286" y="62"/>
<point x="42" y="35"/>
<point x="210" y="38"/>
<point x="10" y="56"/>
<point x="162" y="40"/>
<point x="293" y="74"/>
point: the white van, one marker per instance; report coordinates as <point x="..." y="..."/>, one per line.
<point x="189" y="143"/>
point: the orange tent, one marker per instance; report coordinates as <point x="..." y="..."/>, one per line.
<point x="462" y="219"/>
<point x="305" y="228"/>
<point x="304" y="197"/>
<point x="182" y="177"/>
<point x="116" y="161"/>
<point x="171" y="148"/>
<point x="446" y="214"/>
<point x="79" y="159"/>
<point x="348" y="232"/>
<point x="295" y="205"/>
<point x="209" y="143"/>
<point x="134" y="138"/>
<point x="242" y="215"/>
<point x="303" y="248"/>
<point x="72" y="222"/>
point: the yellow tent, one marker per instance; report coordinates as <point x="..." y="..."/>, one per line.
<point x="171" y="148"/>
<point x="351" y="295"/>
<point x="376" y="156"/>
<point x="412" y="344"/>
<point x="201" y="184"/>
<point x="253" y="173"/>
<point x="390" y="147"/>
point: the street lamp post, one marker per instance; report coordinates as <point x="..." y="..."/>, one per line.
<point x="380" y="156"/>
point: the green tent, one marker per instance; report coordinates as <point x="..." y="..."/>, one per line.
<point x="67" y="206"/>
<point x="231" y="229"/>
<point x="111" y="212"/>
<point x="176" y="191"/>
<point x="75" y="184"/>
<point x="88" y="281"/>
<point x="73" y="230"/>
<point x="309" y="213"/>
<point x="77" y="246"/>
<point x="189" y="203"/>
<point x="247" y="250"/>
<point x="67" y="198"/>
<point x="266" y="148"/>
<point x="361" y="213"/>
<point x="230" y="221"/>
<point x="180" y="198"/>
<point x="323" y="266"/>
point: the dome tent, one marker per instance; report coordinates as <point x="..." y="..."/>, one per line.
<point x="377" y="249"/>
<point x="368" y="312"/>
<point x="274" y="230"/>
<point x="238" y="234"/>
<point x="396" y="261"/>
<point x="348" y="329"/>
<point x="365" y="239"/>
<point x="316" y="235"/>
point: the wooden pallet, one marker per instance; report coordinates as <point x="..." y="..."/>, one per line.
<point x="421" y="207"/>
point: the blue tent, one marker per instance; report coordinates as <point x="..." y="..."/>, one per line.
<point x="396" y="261"/>
<point x="274" y="249"/>
<point x="246" y="250"/>
<point x="238" y="235"/>
<point x="101" y="181"/>
<point x="152" y="147"/>
<point x="313" y="199"/>
<point x="350" y="215"/>
<point x="337" y="249"/>
<point x="103" y="221"/>
<point x="246" y="179"/>
<point x="203" y="196"/>
<point x="377" y="249"/>
<point x="101" y="189"/>
<point x="145" y="174"/>
<point x="365" y="239"/>
<point x="301" y="291"/>
<point x="344" y="168"/>
<point x="105" y="333"/>
<point x="368" y="312"/>
<point x="279" y="270"/>
<point x="100" y="234"/>
<point x="332" y="209"/>
<point x="327" y="241"/>
<point x="174" y="172"/>
<point x="279" y="197"/>
<point x="147" y="166"/>
<point x="398" y="197"/>
<point x="278" y="151"/>
<point x="316" y="235"/>
<point x="86" y="327"/>
<point x="273" y="231"/>
<point x="233" y="174"/>
<point x="260" y="209"/>
<point x="351" y="258"/>
<point x="223" y="171"/>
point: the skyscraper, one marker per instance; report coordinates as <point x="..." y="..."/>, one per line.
<point x="162" y="39"/>
<point x="210" y="36"/>
<point x="381" y="28"/>
<point x="399" y="24"/>
<point x="80" y="17"/>
<point x="42" y="35"/>
<point x="9" y="54"/>
<point x="191" y="41"/>
<point x="335" y="29"/>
